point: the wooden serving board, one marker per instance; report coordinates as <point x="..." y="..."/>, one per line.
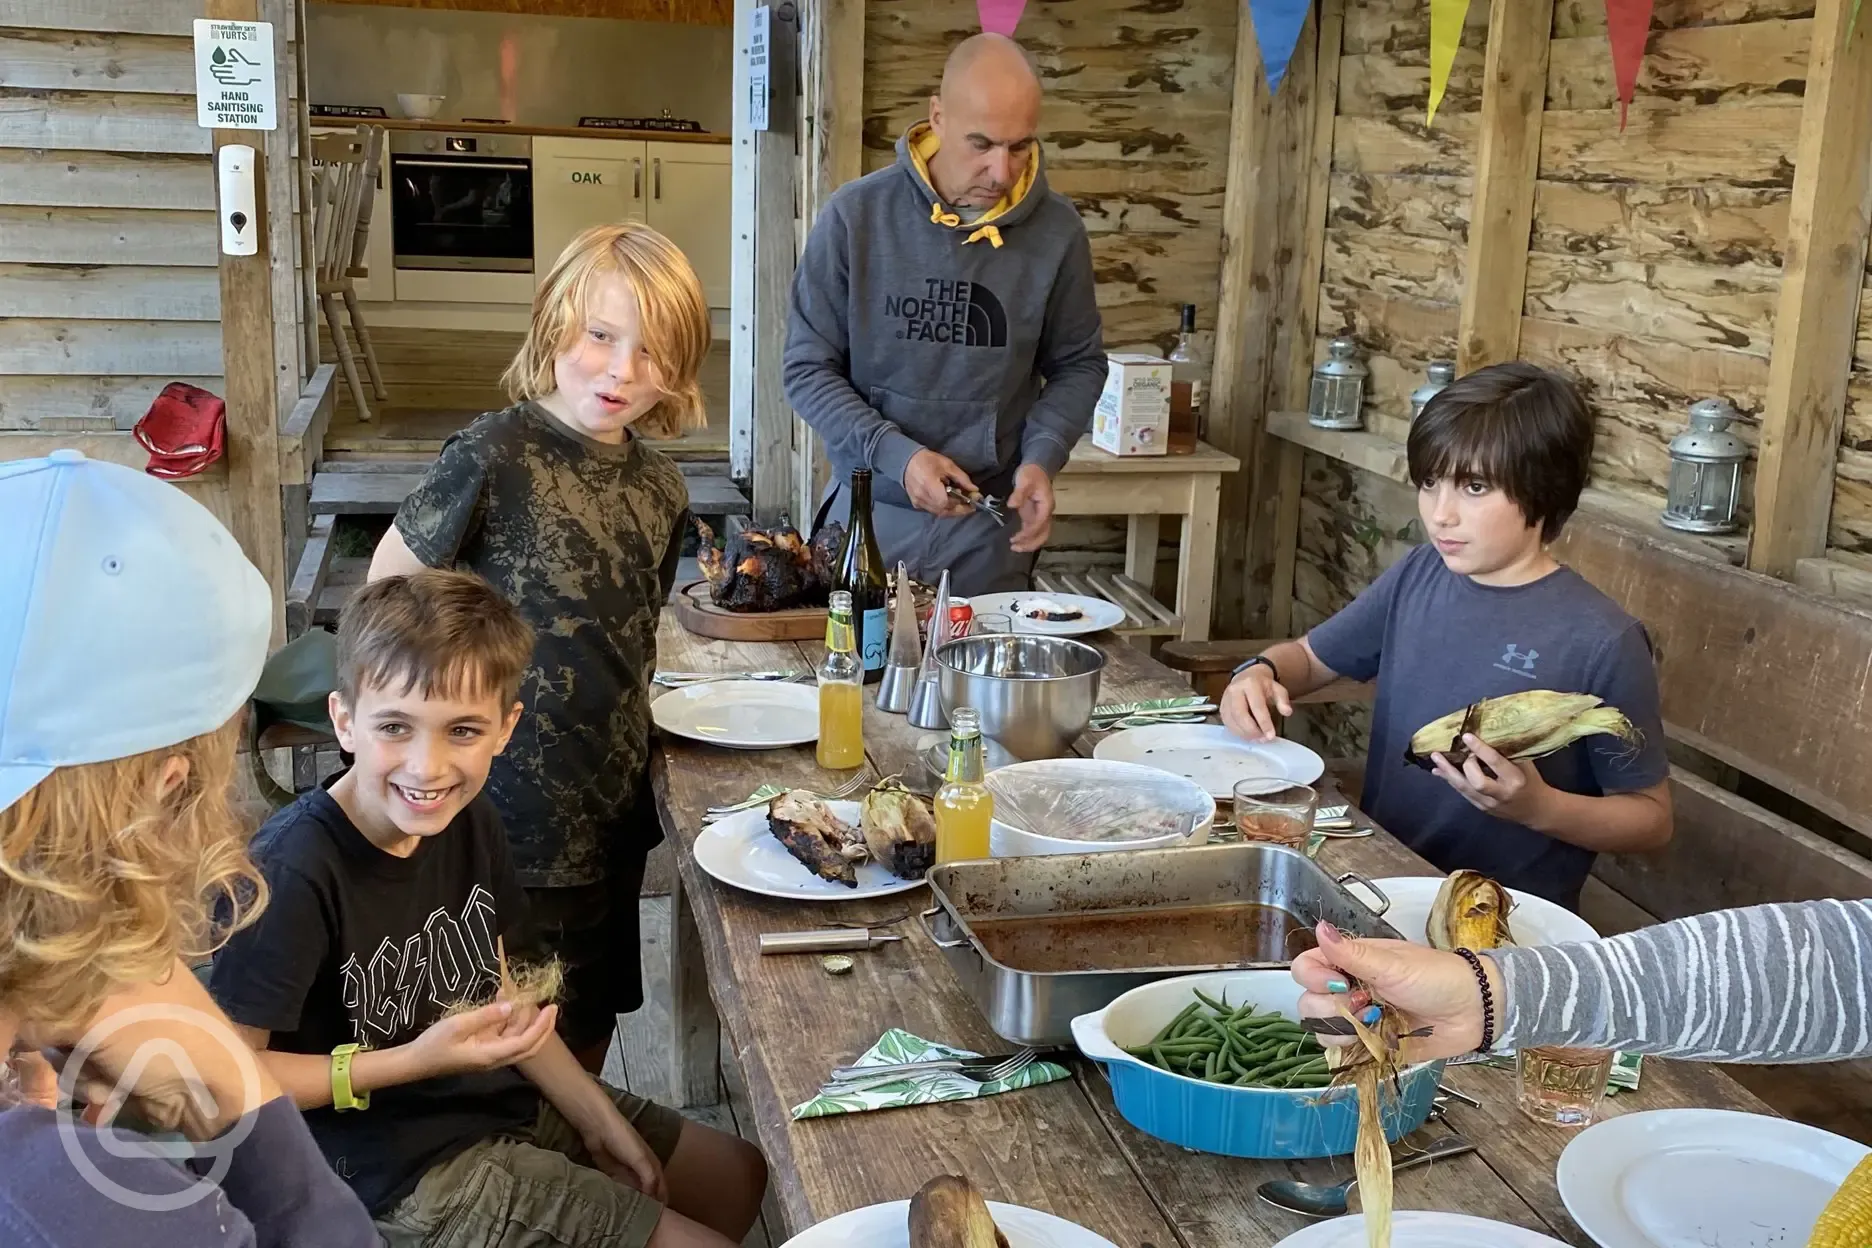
<point x="695" y="612"/>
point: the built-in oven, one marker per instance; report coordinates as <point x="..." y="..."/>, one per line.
<point x="461" y="202"/>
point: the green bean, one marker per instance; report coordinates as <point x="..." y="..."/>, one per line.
<point x="1163" y="1035"/>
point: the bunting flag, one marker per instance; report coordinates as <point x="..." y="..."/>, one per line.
<point x="1628" y="29"/>
<point x="1277" y="26"/>
<point x="1000" y="17"/>
<point x="1446" y="27"/>
<point x="1854" y="23"/>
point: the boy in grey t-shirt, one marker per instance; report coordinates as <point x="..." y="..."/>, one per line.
<point x="1481" y="610"/>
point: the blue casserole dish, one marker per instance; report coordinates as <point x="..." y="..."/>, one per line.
<point x="1274" y="1123"/>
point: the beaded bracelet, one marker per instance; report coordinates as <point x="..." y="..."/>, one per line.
<point x="1488" y="999"/>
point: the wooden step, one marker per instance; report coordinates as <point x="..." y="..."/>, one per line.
<point x="379" y="488"/>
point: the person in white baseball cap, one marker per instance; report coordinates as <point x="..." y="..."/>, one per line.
<point x="132" y="632"/>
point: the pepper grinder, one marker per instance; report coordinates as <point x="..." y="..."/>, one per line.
<point x="900" y="668"/>
<point x="926" y="700"/>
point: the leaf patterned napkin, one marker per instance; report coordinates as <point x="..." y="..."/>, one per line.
<point x="900" y="1046"/>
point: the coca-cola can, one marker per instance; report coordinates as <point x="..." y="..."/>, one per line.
<point x="961" y="617"/>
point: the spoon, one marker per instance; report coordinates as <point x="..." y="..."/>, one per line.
<point x="1317" y="1200"/>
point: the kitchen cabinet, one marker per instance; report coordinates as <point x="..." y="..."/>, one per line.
<point x="681" y="189"/>
<point x="690" y="203"/>
<point x="380" y="285"/>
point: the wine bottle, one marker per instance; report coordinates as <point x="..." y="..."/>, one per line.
<point x="861" y="573"/>
<point x="1186" y="387"/>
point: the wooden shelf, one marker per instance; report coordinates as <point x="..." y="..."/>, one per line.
<point x="1385" y="458"/>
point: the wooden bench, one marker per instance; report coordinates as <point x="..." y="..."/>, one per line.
<point x="1767" y="679"/>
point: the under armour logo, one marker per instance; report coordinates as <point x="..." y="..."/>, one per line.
<point x="1519" y="661"/>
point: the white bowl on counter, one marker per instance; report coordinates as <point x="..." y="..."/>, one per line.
<point x="419" y="107"/>
<point x="1192" y="808"/>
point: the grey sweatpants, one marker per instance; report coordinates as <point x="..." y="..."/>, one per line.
<point x="973" y="548"/>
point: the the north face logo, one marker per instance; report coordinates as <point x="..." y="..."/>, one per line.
<point x="965" y="313"/>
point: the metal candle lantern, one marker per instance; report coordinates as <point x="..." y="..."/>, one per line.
<point x="1706" y="471"/>
<point x="1338" y="398"/>
<point x="1439" y="374"/>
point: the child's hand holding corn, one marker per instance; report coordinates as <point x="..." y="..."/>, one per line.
<point x="1491" y="782"/>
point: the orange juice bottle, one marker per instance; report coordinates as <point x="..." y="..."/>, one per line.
<point x="964" y="806"/>
<point x="841" y="701"/>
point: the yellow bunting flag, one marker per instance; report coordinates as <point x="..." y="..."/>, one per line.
<point x="1446" y="27"/>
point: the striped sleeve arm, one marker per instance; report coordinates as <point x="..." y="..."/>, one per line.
<point x="1769" y="984"/>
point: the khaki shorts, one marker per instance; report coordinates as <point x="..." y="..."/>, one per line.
<point x="536" y="1190"/>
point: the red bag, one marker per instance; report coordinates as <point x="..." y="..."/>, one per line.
<point x="185" y="430"/>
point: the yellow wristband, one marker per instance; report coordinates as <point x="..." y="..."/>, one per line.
<point x="342" y="1096"/>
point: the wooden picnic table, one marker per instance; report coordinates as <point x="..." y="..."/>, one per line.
<point x="1061" y="1147"/>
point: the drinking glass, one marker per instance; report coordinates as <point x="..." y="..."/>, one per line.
<point x="1561" y="1087"/>
<point x="1275" y="811"/>
<point x="988" y="623"/>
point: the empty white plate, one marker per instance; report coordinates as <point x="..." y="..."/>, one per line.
<point x="741" y="714"/>
<point x="1533" y="921"/>
<point x="1702" y="1178"/>
<point x="1212" y="756"/>
<point x="1417" y="1228"/>
<point x="741" y="850"/>
<point x="888" y="1226"/>
<point x="1099" y="614"/>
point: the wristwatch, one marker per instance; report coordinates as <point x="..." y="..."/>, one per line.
<point x="1260" y="660"/>
<point x="342" y="1096"/>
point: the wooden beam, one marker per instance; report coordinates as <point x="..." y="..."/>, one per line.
<point x="1238" y="380"/>
<point x="776" y="249"/>
<point x="1297" y="367"/>
<point x="1514" y="94"/>
<point x="832" y="44"/>
<point x="250" y="357"/>
<point x="1821" y="278"/>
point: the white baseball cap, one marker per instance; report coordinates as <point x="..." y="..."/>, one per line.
<point x="129" y="618"/>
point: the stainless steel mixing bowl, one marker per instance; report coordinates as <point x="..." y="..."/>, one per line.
<point x="1035" y="694"/>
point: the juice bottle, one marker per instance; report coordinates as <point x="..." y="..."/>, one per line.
<point x="841" y="689"/>
<point x="964" y="806"/>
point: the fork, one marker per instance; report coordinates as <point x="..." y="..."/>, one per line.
<point x="767" y="792"/>
<point x="974" y="1069"/>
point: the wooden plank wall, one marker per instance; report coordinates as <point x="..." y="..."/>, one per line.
<point x="107" y="238"/>
<point x="108" y="252"/>
<point x="1136" y="127"/>
<point x="1653" y="270"/>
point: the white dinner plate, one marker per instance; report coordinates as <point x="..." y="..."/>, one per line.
<point x="741" y="714"/>
<point x="1099" y="614"/>
<point x="1533" y="921"/>
<point x="888" y="1226"/>
<point x="1702" y="1178"/>
<point x="1212" y="756"/>
<point x="1418" y="1228"/>
<point x="741" y="850"/>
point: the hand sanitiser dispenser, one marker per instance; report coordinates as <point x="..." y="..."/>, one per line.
<point x="240" y="216"/>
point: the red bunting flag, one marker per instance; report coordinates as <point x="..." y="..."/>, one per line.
<point x="1628" y="29"/>
<point x="1000" y="17"/>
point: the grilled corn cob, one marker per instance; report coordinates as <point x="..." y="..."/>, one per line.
<point x="949" y="1213"/>
<point x="899" y="830"/>
<point x="1520" y="725"/>
<point x="1470" y="912"/>
<point x="1846" y="1222"/>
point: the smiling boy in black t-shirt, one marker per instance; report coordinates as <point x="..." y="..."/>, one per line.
<point x="393" y="900"/>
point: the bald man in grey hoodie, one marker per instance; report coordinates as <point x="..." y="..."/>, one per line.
<point x="944" y="329"/>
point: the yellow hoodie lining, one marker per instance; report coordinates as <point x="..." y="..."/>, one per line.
<point x="924" y="144"/>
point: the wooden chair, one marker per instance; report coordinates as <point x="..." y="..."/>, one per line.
<point x="343" y="185"/>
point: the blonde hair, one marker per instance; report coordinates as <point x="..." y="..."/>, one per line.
<point x="672" y="309"/>
<point x="105" y="880"/>
<point x="449" y="634"/>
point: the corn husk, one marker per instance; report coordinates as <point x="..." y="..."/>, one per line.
<point x="899" y="830"/>
<point x="1520" y="726"/>
<point x="949" y="1213"/>
<point x="534" y="984"/>
<point x="1470" y="912"/>
<point x="1370" y="1066"/>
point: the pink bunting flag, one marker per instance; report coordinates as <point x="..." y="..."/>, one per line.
<point x="1628" y="29"/>
<point x="1000" y="17"/>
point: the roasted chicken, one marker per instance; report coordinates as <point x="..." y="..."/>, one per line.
<point x="823" y="843"/>
<point x="769" y="569"/>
